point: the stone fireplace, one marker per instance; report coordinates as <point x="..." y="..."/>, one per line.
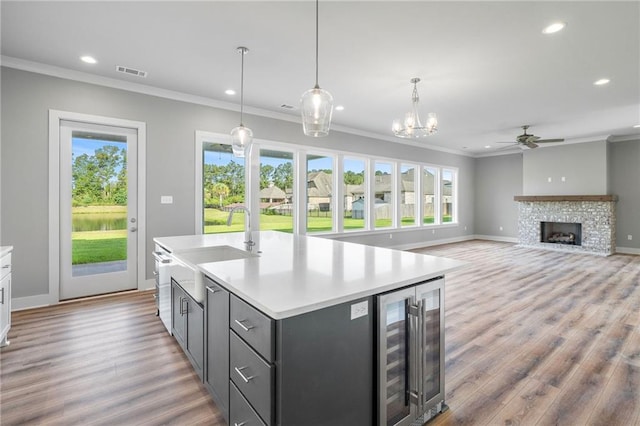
<point x="576" y="223"/>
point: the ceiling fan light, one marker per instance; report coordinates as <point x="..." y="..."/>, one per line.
<point x="316" y="107"/>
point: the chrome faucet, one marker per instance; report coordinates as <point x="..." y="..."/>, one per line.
<point x="248" y="241"/>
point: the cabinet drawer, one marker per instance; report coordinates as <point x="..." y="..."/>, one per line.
<point x="253" y="377"/>
<point x="5" y="265"/>
<point x="241" y="412"/>
<point x="254" y="327"/>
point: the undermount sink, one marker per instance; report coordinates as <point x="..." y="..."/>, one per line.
<point x="184" y="269"/>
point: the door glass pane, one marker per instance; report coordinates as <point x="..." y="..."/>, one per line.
<point x="319" y="193"/>
<point x="354" y="189"/>
<point x="428" y="193"/>
<point x="431" y="346"/>
<point x="98" y="203"/>
<point x="222" y="188"/>
<point x="396" y="362"/>
<point x="383" y="190"/>
<point x="276" y="190"/>
<point x="408" y="195"/>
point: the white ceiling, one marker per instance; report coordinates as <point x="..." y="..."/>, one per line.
<point x="486" y="67"/>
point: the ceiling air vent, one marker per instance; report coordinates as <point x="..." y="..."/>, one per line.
<point x="131" y="71"/>
<point x="285" y="106"/>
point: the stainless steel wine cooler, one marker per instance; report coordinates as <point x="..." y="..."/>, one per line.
<point x="410" y="341"/>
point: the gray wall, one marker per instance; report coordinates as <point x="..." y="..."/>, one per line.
<point x="497" y="180"/>
<point x="624" y="167"/>
<point x="584" y="167"/>
<point x="26" y="100"/>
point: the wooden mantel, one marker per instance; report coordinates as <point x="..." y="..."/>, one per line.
<point x="565" y="198"/>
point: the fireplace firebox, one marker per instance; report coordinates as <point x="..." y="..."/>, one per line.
<point x="561" y="233"/>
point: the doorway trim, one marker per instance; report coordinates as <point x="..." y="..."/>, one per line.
<point x="55" y="116"/>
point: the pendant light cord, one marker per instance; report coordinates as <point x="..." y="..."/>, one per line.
<point x="317" y="87"/>
<point x="242" y="52"/>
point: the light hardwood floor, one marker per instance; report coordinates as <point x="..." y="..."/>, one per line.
<point x="533" y="337"/>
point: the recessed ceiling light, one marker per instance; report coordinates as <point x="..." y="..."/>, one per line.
<point x="637" y="126"/>
<point x="230" y="92"/>
<point x="601" y="81"/>
<point x="554" y="28"/>
<point x="487" y="146"/>
<point x="88" y="59"/>
<point x="339" y="108"/>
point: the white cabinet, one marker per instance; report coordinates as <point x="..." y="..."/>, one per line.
<point x="5" y="295"/>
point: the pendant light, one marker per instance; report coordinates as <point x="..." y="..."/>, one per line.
<point x="316" y="104"/>
<point x="411" y="127"/>
<point x="241" y="136"/>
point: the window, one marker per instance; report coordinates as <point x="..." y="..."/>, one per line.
<point x="429" y="179"/>
<point x="372" y="194"/>
<point x="223" y="187"/>
<point x="408" y="198"/>
<point x="353" y="179"/>
<point x="276" y="190"/>
<point x="319" y="193"/>
<point x="383" y="195"/>
<point x="448" y="195"/>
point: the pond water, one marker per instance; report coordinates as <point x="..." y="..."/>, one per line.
<point x="99" y="222"/>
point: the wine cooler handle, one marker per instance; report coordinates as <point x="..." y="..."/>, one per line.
<point x="420" y="325"/>
<point x="413" y="354"/>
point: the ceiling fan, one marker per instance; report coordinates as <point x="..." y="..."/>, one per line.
<point x="529" y="140"/>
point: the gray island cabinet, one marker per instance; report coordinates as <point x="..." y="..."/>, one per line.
<point x="291" y="332"/>
<point x="312" y="369"/>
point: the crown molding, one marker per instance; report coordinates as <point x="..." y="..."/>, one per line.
<point x="84" y="77"/>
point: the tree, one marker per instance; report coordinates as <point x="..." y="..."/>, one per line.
<point x="220" y="190"/>
<point x="283" y="176"/>
<point x="266" y="175"/>
<point x="353" y="178"/>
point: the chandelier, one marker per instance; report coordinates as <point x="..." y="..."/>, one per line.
<point x="241" y="137"/>
<point x="411" y="126"/>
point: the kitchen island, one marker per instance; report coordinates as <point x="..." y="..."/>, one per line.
<point x="291" y="332"/>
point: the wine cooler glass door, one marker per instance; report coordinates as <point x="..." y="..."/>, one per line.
<point x="432" y="339"/>
<point x="393" y="345"/>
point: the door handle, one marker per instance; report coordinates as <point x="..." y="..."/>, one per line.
<point x="133" y="229"/>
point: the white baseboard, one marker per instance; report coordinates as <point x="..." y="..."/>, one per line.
<point x="496" y="238"/>
<point x="627" y="250"/>
<point x="29" y="302"/>
<point x="40" y="300"/>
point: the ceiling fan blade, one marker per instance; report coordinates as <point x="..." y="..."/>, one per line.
<point x="531" y="144"/>
<point x="549" y="140"/>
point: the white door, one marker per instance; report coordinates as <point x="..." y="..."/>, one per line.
<point x="98" y="209"/>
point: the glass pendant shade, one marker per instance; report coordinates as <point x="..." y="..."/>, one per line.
<point x="241" y="138"/>
<point x="316" y="106"/>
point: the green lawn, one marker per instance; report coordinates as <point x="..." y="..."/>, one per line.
<point x="98" y="246"/>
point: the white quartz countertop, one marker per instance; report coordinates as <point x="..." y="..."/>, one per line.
<point x="296" y="274"/>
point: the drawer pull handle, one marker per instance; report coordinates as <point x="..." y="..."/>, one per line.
<point x="239" y="424"/>
<point x="7" y="266"/>
<point x="244" y="327"/>
<point x="2" y="301"/>
<point x="213" y="290"/>
<point x="245" y="378"/>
